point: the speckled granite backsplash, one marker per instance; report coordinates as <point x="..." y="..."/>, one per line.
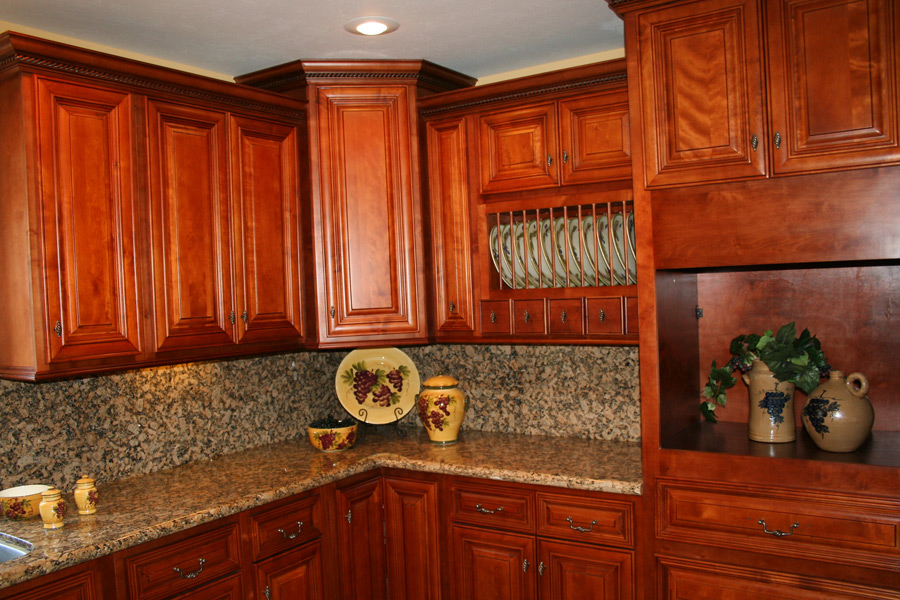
<point x="142" y="421"/>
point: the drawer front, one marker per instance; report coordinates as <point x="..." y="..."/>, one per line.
<point x="604" y="315"/>
<point x="566" y="317"/>
<point x="495" y="316"/>
<point x="230" y="588"/>
<point x="528" y="316"/>
<point x="834" y="527"/>
<point x="176" y="568"/>
<point x="492" y="506"/>
<point x="286" y="526"/>
<point x="598" y="521"/>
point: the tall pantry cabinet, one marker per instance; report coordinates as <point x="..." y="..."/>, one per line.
<point x="766" y="147"/>
<point x="367" y="223"/>
<point x="147" y="216"/>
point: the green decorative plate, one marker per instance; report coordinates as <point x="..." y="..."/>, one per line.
<point x="377" y="385"/>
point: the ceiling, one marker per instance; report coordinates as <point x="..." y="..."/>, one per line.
<point x="233" y="37"/>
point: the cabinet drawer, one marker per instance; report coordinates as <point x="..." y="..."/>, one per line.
<point x="528" y="316"/>
<point x="593" y="520"/>
<point x="285" y="525"/>
<point x="492" y="506"/>
<point x="169" y="569"/>
<point x="835" y="527"/>
<point x="495" y="316"/>
<point x="604" y="315"/>
<point x="566" y="317"/>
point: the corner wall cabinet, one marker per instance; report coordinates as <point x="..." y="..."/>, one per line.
<point x="366" y="200"/>
<point x="532" y="223"/>
<point x="726" y="251"/>
<point x="148" y="216"/>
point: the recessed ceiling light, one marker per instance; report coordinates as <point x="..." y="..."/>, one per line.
<point x="371" y="25"/>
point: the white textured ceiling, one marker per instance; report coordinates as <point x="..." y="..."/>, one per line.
<point x="233" y="37"/>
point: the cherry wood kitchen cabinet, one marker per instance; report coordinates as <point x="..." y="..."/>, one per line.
<point x="148" y="216"/>
<point x="360" y="532"/>
<point x="724" y="516"/>
<point x="411" y="507"/>
<point x="712" y="109"/>
<point x="515" y="160"/>
<point x="367" y="207"/>
<point x="522" y="542"/>
<point x="579" y="140"/>
<point x="87" y="581"/>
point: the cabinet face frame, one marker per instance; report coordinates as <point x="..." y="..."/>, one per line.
<point x="88" y="228"/>
<point x="369" y="220"/>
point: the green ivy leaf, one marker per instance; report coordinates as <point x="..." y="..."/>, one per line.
<point x="708" y="410"/>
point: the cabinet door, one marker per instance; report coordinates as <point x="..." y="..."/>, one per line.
<point x="518" y="149"/>
<point x="595" y="138"/>
<point x="88" y="221"/>
<point x="81" y="582"/>
<point x="370" y="220"/>
<point x="492" y="565"/>
<point x="411" y="514"/>
<point x="191" y="243"/>
<point x="361" y="534"/>
<point x="701" y="92"/>
<point x="448" y="184"/>
<point x="264" y="175"/>
<point x="293" y="575"/>
<point x="584" y="572"/>
<point x="833" y="83"/>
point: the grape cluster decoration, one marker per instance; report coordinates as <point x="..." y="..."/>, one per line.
<point x="383" y="386"/>
<point x="816" y="410"/>
<point x="16" y="509"/>
<point x="773" y="403"/>
<point x="434" y="419"/>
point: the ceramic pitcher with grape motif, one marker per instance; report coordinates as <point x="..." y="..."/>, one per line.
<point x="771" y="406"/>
<point x="442" y="407"/>
<point x="838" y="415"/>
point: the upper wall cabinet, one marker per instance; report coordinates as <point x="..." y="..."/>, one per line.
<point x="366" y="205"/>
<point x="546" y="144"/>
<point x="701" y="87"/>
<point x="147" y="216"/>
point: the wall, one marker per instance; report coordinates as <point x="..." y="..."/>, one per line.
<point x="143" y="421"/>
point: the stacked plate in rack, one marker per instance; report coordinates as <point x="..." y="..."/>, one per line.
<point x="565" y="252"/>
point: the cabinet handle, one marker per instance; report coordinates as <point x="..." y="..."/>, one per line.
<point x="231" y="317"/>
<point x="549" y="160"/>
<point x="527" y="316"/>
<point x="452" y="307"/>
<point x="488" y="511"/>
<point x="290" y="536"/>
<point x="525" y="565"/>
<point x="563" y="316"/>
<point x="493" y="317"/>
<point x="541" y="568"/>
<point x="602" y="316"/>
<point x="192" y="574"/>
<point x="579" y="528"/>
<point x="267" y="593"/>
<point x="778" y="533"/>
<point x="777" y="139"/>
<point x="245" y="317"/>
<point x="565" y="157"/>
<point x="331" y="312"/>
<point x="349" y="516"/>
<point x="754" y="142"/>
<point x="58" y="329"/>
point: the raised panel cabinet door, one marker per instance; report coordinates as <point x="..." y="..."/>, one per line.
<point x="360" y="533"/>
<point x="701" y="90"/>
<point x="370" y="216"/>
<point x="833" y="83"/>
<point x="595" y="138"/>
<point x="518" y="149"/>
<point x="294" y="575"/>
<point x="81" y="582"/>
<point x="491" y="565"/>
<point x="230" y="588"/>
<point x="584" y="572"/>
<point x="265" y="193"/>
<point x="87" y="207"/>
<point x="448" y="184"/>
<point x="411" y="514"/>
<point x="190" y="227"/>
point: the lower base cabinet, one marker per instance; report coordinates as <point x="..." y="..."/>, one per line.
<point x="360" y="533"/>
<point x="230" y="588"/>
<point x="81" y="582"/>
<point x="585" y="572"/>
<point x="292" y="575"/>
<point x="492" y="565"/>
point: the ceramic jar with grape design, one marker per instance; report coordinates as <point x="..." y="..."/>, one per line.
<point x="771" y="406"/>
<point x="442" y="407"/>
<point x="837" y="415"/>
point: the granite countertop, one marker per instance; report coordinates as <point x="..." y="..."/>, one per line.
<point x="145" y="507"/>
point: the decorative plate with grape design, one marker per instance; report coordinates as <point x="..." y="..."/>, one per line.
<point x="377" y="385"/>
